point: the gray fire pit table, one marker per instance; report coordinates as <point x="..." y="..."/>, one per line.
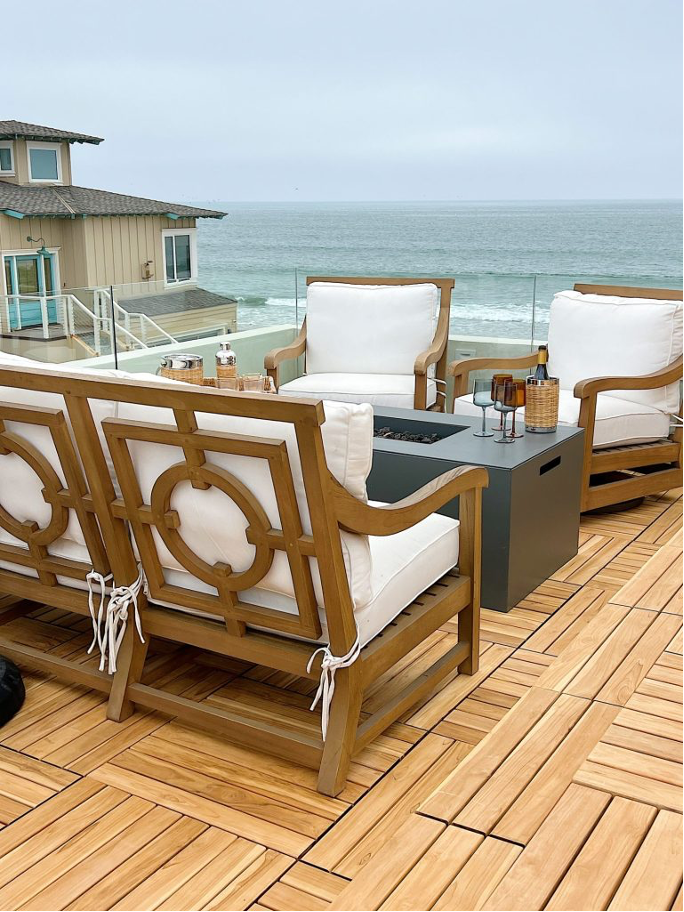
<point x="530" y="511"/>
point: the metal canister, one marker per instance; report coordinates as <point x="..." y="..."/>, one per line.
<point x="541" y="405"/>
<point x="181" y="366"/>
<point x="226" y="362"/>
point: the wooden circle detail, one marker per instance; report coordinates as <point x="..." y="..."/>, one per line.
<point x="217" y="575"/>
<point x="28" y="531"/>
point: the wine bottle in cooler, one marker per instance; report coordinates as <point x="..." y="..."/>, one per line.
<point x="541" y="373"/>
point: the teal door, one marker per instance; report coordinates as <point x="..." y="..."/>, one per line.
<point x="28" y="278"/>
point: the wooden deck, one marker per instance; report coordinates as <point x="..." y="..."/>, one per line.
<point x="551" y="779"/>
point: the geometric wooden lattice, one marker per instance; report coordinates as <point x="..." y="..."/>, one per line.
<point x="195" y="469"/>
<point x="61" y="499"/>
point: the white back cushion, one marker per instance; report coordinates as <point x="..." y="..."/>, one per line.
<point x="368" y="329"/>
<point x="604" y="336"/>
<point x="213" y="526"/>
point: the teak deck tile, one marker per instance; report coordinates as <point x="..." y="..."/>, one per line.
<point x="550" y="779"/>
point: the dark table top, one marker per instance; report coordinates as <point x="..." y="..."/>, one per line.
<point x="461" y="445"/>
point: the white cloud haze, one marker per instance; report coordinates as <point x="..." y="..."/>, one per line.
<point x="376" y="100"/>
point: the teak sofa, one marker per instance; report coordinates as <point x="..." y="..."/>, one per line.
<point x="249" y="517"/>
<point x="377" y="340"/>
<point x="618" y="354"/>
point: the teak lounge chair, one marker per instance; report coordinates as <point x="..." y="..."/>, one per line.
<point x="618" y="354"/>
<point x="255" y="538"/>
<point x="382" y="341"/>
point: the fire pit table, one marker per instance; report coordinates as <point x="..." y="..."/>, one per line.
<point x="530" y="511"/>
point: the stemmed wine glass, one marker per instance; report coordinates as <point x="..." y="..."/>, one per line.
<point x="505" y="402"/>
<point x="482" y="397"/>
<point x="520" y="387"/>
<point x="499" y="378"/>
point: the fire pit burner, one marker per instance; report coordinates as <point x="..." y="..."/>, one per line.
<point x="389" y="434"/>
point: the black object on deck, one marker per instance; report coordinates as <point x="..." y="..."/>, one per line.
<point x="12" y="692"/>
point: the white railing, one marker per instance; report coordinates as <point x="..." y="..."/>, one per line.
<point x="93" y="330"/>
<point x="145" y="328"/>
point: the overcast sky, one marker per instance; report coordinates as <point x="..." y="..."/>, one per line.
<point x="374" y="100"/>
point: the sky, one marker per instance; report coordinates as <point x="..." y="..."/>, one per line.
<point x="375" y="100"/>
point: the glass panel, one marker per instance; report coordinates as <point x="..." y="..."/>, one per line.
<point x="8" y="276"/>
<point x="43" y="164"/>
<point x="168" y="250"/>
<point x="5" y="160"/>
<point x="182" y="256"/>
<point x="47" y="267"/>
<point x="27" y="274"/>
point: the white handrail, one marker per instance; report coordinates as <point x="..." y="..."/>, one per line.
<point x="145" y="321"/>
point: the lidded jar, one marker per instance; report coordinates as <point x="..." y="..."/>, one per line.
<point x="226" y="362"/>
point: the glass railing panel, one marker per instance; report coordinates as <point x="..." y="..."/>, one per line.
<point x="483" y="306"/>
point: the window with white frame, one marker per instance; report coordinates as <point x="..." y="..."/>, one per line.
<point x="6" y="158"/>
<point x="44" y="160"/>
<point x="180" y="255"/>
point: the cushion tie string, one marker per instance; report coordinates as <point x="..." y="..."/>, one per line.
<point x="120" y="599"/>
<point x="326" y="687"/>
<point x="93" y="578"/>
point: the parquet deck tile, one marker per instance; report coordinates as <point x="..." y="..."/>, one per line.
<point x="551" y="779"/>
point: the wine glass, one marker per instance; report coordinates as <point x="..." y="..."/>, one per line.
<point x="505" y="402"/>
<point x="520" y="386"/>
<point x="499" y="378"/>
<point x="482" y="397"/>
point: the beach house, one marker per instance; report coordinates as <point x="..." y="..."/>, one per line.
<point x="63" y="248"/>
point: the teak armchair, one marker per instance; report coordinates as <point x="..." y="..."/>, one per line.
<point x="371" y="370"/>
<point x="612" y="474"/>
<point x="170" y="443"/>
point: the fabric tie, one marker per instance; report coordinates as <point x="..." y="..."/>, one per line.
<point x="93" y="578"/>
<point x="326" y="687"/>
<point x="121" y="597"/>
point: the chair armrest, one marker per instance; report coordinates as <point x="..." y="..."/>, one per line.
<point x="356" y="516"/>
<point x="663" y="377"/>
<point x="435" y="351"/>
<point x="461" y="370"/>
<point x="274" y="358"/>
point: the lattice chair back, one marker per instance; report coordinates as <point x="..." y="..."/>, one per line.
<point x="229" y="510"/>
<point x="49" y="536"/>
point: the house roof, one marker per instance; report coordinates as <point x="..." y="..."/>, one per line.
<point x="17" y="129"/>
<point x="69" y="201"/>
<point x="176" y="301"/>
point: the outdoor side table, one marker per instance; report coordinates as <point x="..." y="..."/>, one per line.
<point x="530" y="511"/>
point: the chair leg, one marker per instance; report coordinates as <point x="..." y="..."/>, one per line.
<point x="341" y="735"/>
<point x="469" y="632"/>
<point x="130" y="664"/>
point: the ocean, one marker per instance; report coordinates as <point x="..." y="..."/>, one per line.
<point x="508" y="258"/>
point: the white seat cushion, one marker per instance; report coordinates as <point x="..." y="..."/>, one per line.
<point x="403" y="566"/>
<point x="606" y="336"/>
<point x="393" y="390"/>
<point x="617" y="420"/>
<point x="368" y="329"/>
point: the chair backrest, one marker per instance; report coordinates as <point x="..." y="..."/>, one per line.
<point x="366" y="325"/>
<point x="608" y="331"/>
<point x="48" y="531"/>
<point x="226" y="494"/>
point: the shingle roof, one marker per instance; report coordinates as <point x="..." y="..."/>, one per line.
<point x="176" y="301"/>
<point x="17" y="129"/>
<point x="67" y="201"/>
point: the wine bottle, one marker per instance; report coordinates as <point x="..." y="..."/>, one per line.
<point x="541" y="372"/>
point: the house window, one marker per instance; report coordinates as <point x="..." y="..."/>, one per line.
<point x="44" y="162"/>
<point x="6" y="159"/>
<point x="179" y="256"/>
